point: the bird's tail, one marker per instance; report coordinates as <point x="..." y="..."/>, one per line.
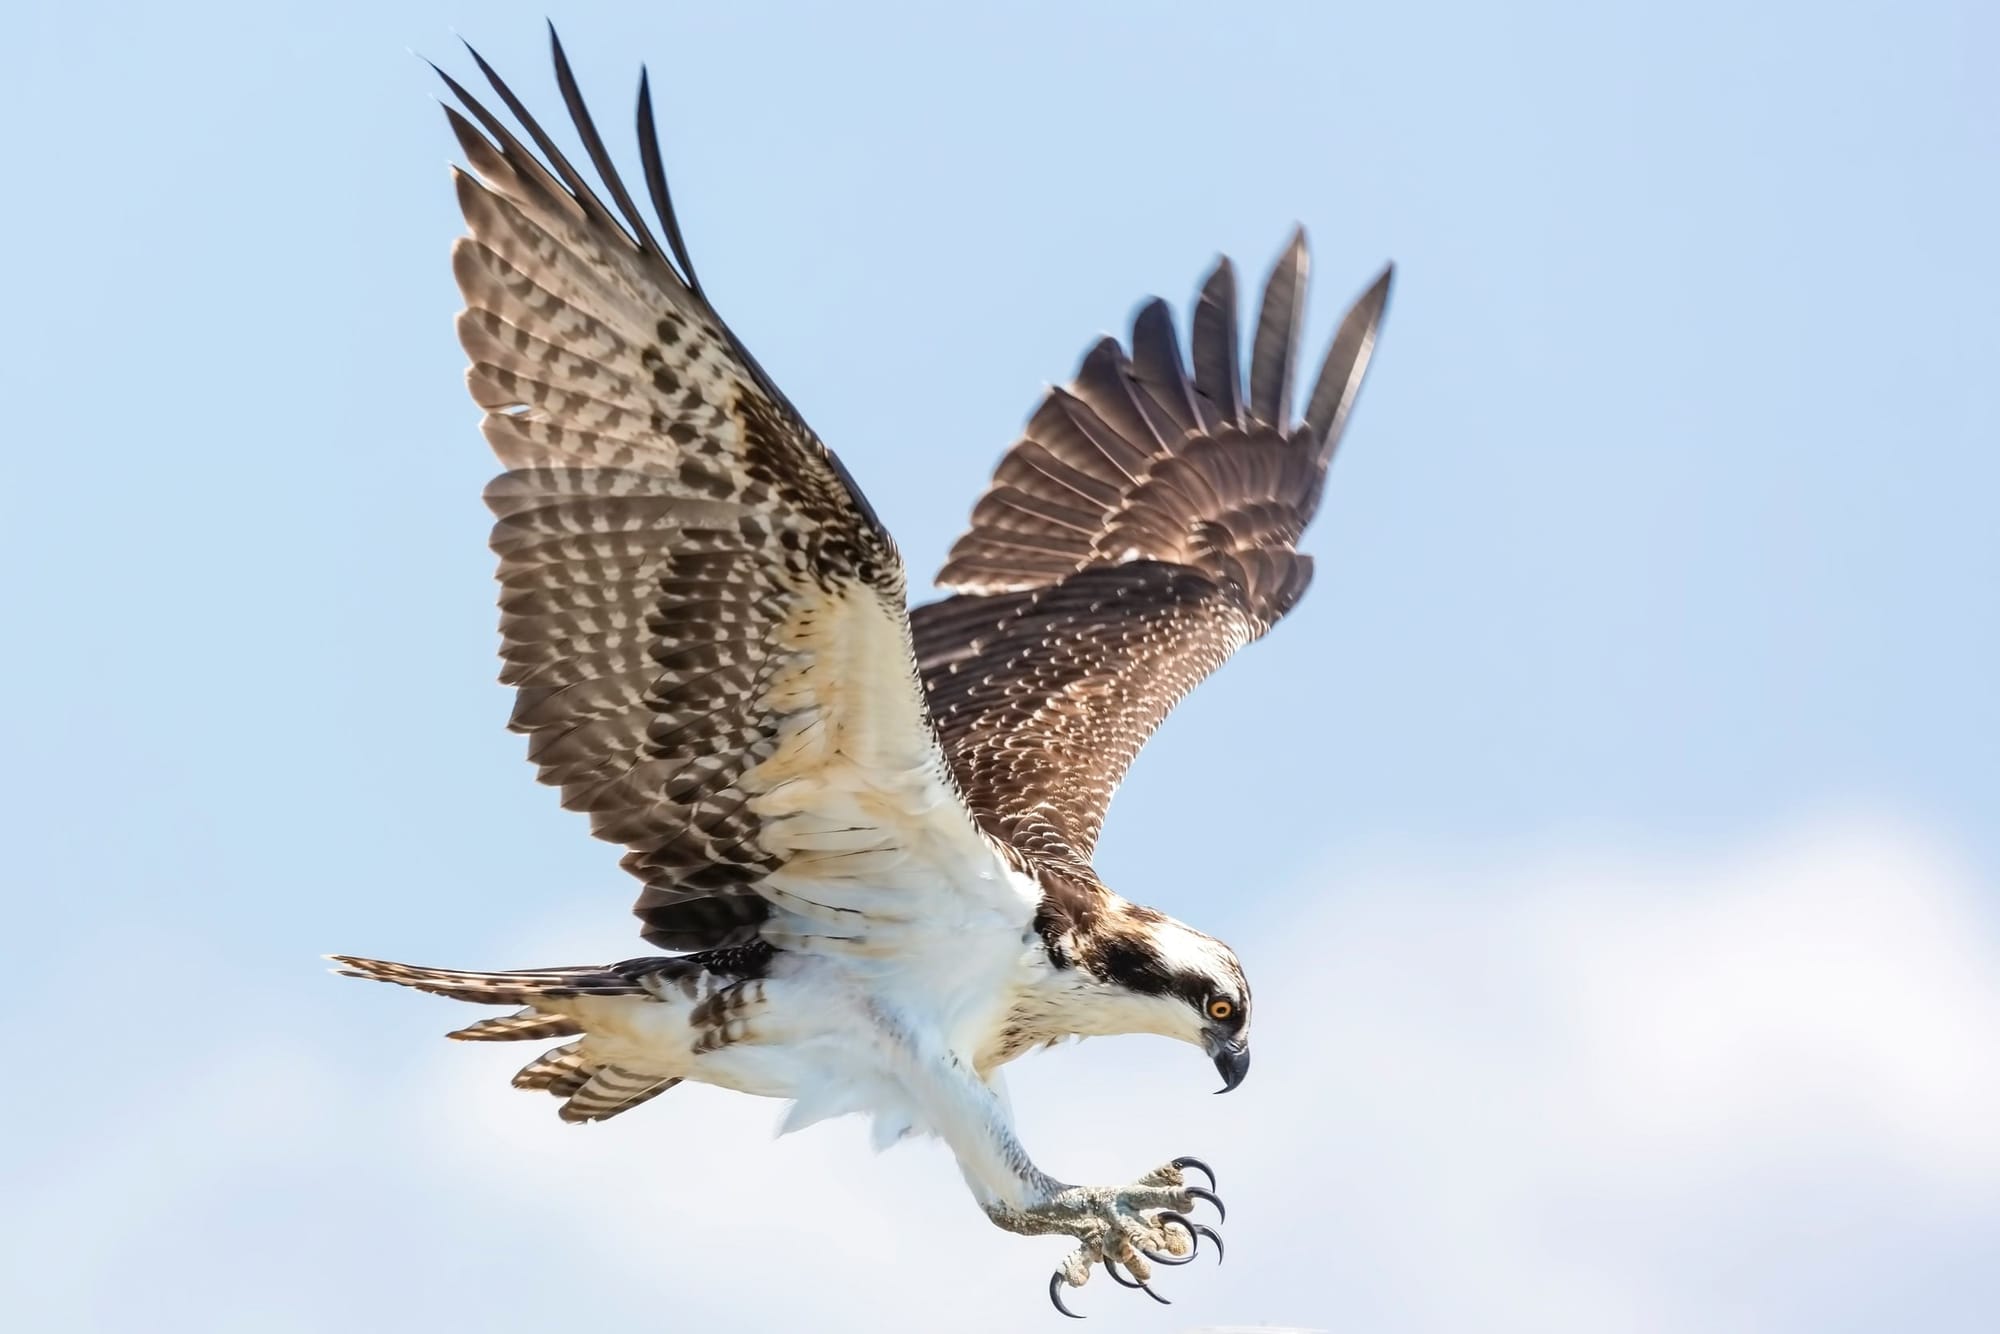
<point x="590" y="1089"/>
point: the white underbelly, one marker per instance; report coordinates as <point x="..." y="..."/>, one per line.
<point x="835" y="1036"/>
<point x="864" y="1029"/>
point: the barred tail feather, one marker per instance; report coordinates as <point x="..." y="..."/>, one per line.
<point x="516" y="988"/>
<point x="561" y="1071"/>
<point x="609" y="1091"/>
<point x="521" y="1025"/>
<point x="591" y="1090"/>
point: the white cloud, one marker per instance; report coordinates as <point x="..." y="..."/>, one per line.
<point x="1531" y="1097"/>
<point x="1757" y="1093"/>
<point x="1614" y="1096"/>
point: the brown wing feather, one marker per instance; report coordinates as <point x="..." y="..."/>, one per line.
<point x="1144" y="529"/>
<point x="702" y="616"/>
<point x="1044" y="696"/>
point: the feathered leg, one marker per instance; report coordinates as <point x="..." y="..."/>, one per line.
<point x="1136" y="1226"/>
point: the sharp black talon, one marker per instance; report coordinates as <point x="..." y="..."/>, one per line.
<point x="1111" y="1268"/>
<point x="1159" y="1258"/>
<point x="1055" y="1295"/>
<point x="1165" y="1217"/>
<point x="1198" y="1165"/>
<point x="1195" y="1231"/>
<point x="1221" y="1214"/>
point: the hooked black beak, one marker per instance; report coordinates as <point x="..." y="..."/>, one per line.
<point x="1232" y="1062"/>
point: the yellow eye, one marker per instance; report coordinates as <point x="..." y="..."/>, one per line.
<point x="1221" y="1009"/>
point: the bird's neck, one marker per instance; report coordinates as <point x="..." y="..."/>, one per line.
<point x="1065" y="991"/>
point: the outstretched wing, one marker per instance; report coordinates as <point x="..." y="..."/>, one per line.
<point x="703" y="617"/>
<point x="1144" y="529"/>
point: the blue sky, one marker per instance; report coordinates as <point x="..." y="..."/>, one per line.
<point x="1632" y="758"/>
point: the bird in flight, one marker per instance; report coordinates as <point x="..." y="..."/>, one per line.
<point x="864" y="831"/>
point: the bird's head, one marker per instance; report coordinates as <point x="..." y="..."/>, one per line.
<point x="1170" y="979"/>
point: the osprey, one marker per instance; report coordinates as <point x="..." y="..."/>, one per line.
<point x="864" y="832"/>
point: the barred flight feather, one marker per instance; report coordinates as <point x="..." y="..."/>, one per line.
<point x="1143" y="530"/>
<point x="525" y="1025"/>
<point x="704" y="619"/>
<point x="561" y="1071"/>
<point x="609" y="1091"/>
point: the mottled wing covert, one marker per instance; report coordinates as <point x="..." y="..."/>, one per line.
<point x="1143" y="530"/>
<point x="703" y="618"/>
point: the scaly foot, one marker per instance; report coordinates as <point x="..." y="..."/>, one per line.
<point x="1136" y="1227"/>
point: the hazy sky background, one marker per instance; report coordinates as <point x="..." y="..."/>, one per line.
<point x="1611" y="836"/>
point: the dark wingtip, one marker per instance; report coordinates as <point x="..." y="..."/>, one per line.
<point x="1274" y="348"/>
<point x="1159" y="367"/>
<point x="1346" y="364"/>
<point x="556" y="51"/>
<point x="1378" y="291"/>
<point x="1214" y="344"/>
<point x="1154" y="312"/>
<point x="656" y="182"/>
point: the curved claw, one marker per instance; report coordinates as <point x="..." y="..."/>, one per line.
<point x="1221" y="1214"/>
<point x="1209" y="1232"/>
<point x="1164" y="1217"/>
<point x="1161" y="1258"/>
<point x="1111" y="1268"/>
<point x="1055" y="1295"/>
<point x="1198" y="1165"/>
<point x="1197" y="1231"/>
